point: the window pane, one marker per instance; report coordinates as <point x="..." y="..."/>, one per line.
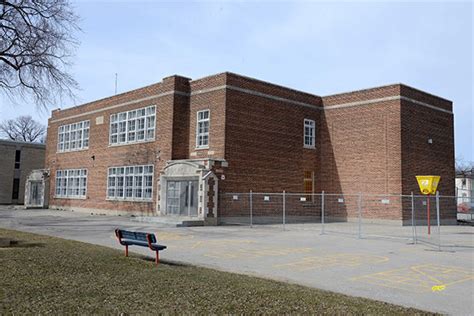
<point x="150" y="122"/>
<point x="150" y="134"/>
<point x="120" y="186"/>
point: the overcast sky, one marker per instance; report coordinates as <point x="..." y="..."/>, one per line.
<point x="321" y="48"/>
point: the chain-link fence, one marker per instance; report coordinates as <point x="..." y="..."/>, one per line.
<point x="465" y="205"/>
<point x="412" y="218"/>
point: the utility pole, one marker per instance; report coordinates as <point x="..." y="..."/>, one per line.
<point x="116" y="77"/>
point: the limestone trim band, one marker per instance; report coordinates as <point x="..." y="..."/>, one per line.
<point x="260" y="94"/>
<point x="114" y="106"/>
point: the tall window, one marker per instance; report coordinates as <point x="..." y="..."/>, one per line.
<point x="132" y="126"/>
<point x="130" y="183"/>
<point x="308" y="182"/>
<point x="309" y="134"/>
<point x="17" y="159"/>
<point x="16" y="189"/>
<point x="202" y="129"/>
<point x="71" y="183"/>
<point x="73" y="136"/>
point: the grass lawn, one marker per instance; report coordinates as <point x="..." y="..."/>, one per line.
<point x="44" y="275"/>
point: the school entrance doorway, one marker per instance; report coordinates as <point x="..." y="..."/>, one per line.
<point x="182" y="197"/>
<point x="37" y="189"/>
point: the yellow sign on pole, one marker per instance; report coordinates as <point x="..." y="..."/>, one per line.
<point x="428" y="184"/>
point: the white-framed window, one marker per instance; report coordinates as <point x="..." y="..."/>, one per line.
<point x="309" y="133"/>
<point x="71" y="183"/>
<point x="132" y="126"/>
<point x="130" y="183"/>
<point x="73" y="136"/>
<point x="202" y="129"/>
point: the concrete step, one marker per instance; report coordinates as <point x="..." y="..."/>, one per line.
<point x="192" y="223"/>
<point x="174" y="221"/>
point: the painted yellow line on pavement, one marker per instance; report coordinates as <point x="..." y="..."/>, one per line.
<point x="419" y="278"/>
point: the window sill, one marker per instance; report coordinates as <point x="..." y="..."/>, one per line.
<point x="70" y="197"/>
<point x="309" y="147"/>
<point x="129" y="200"/>
<point x="201" y="148"/>
<point x="72" y="151"/>
<point x="132" y="143"/>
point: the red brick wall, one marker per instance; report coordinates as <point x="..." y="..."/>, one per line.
<point x="264" y="139"/>
<point x="419" y="124"/>
<point x="362" y="95"/>
<point x="361" y="149"/>
<point x="373" y="148"/>
<point x="215" y="102"/>
<point x="155" y="152"/>
<point x="379" y="148"/>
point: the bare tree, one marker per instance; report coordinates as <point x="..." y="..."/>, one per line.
<point x="23" y="128"/>
<point x="464" y="168"/>
<point x="36" y="45"/>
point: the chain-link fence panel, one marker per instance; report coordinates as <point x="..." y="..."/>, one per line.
<point x="464" y="207"/>
<point x="381" y="214"/>
<point x="340" y="214"/>
<point x="456" y="210"/>
<point x="426" y="222"/>
<point x="412" y="218"/>
<point x="302" y="208"/>
<point x="235" y="209"/>
<point x="267" y="209"/>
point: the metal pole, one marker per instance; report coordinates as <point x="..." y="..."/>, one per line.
<point x="322" y="212"/>
<point x="429" y="216"/>
<point x="437" y="219"/>
<point x="251" y="210"/>
<point x="413" y="226"/>
<point x="189" y="198"/>
<point x="284" y="209"/>
<point x="359" y="205"/>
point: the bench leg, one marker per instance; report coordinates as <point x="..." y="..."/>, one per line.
<point x="126" y="250"/>
<point x="157" y="260"/>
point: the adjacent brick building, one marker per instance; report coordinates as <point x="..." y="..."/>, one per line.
<point x="17" y="160"/>
<point x="178" y="146"/>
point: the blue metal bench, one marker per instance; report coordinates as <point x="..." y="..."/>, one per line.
<point x="128" y="238"/>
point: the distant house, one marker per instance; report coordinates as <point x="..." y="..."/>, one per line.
<point x="465" y="190"/>
<point x="17" y="160"/>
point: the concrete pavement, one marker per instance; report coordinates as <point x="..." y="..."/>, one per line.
<point x="394" y="271"/>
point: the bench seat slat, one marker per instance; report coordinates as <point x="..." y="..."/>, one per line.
<point x="158" y="247"/>
<point x="133" y="235"/>
<point x="142" y="243"/>
<point x="134" y="242"/>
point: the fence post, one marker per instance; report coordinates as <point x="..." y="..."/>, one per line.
<point x="322" y="213"/>
<point x="413" y="226"/>
<point x="437" y="219"/>
<point x="359" y="206"/>
<point x="251" y="208"/>
<point x="284" y="209"/>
